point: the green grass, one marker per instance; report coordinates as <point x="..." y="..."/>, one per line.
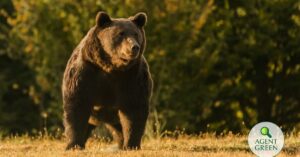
<point x="203" y="145"/>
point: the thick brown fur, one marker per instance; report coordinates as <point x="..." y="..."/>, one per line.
<point x="107" y="79"/>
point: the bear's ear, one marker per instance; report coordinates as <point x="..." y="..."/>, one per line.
<point x="102" y="19"/>
<point x="140" y="19"/>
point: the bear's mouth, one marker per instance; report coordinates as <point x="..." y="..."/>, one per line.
<point x="127" y="57"/>
<point x="126" y="60"/>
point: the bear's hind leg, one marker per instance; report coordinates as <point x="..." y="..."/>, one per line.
<point x="112" y="122"/>
<point x="116" y="131"/>
<point x="133" y="126"/>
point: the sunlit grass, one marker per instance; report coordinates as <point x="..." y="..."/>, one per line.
<point x="183" y="145"/>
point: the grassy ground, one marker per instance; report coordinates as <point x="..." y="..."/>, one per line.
<point x="206" y="145"/>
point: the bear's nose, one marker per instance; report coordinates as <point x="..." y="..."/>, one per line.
<point x="135" y="49"/>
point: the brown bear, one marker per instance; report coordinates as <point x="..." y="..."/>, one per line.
<point x="107" y="80"/>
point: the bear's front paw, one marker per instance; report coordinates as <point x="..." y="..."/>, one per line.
<point x="74" y="146"/>
<point x="131" y="147"/>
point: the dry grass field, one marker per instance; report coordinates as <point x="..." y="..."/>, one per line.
<point x="205" y="145"/>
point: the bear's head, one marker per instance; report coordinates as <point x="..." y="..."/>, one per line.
<point x="116" y="42"/>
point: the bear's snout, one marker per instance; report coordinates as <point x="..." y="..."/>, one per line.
<point x="135" y="50"/>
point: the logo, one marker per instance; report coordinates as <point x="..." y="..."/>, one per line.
<point x="266" y="139"/>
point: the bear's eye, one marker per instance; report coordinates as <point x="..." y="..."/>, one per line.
<point x="135" y="34"/>
<point x="121" y="34"/>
